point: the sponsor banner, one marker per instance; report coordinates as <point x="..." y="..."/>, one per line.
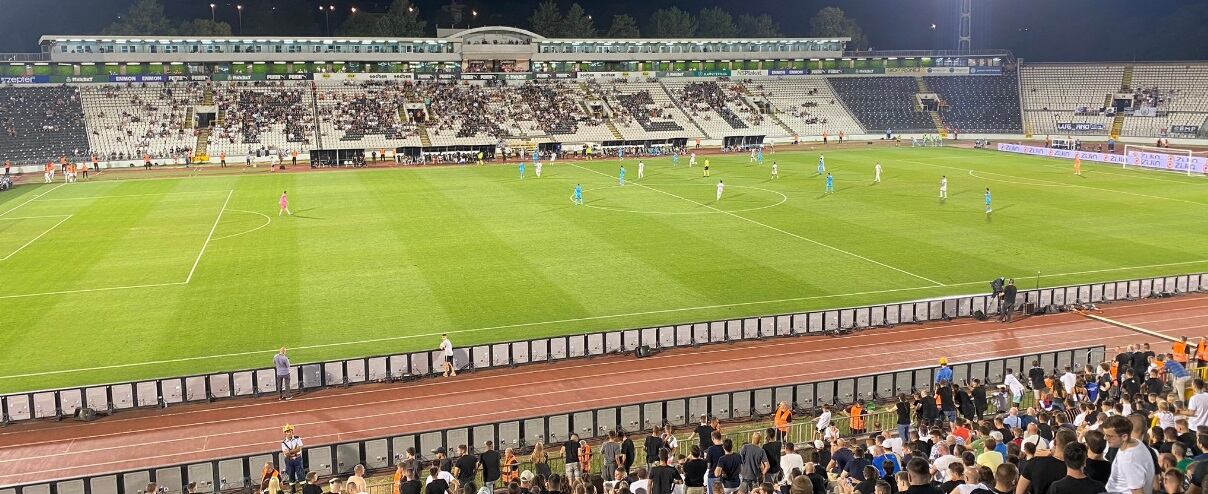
<point x="289" y="77"/>
<point x="1163" y="161"/>
<point x="711" y="73"/>
<point x="425" y="77"/>
<point x="947" y="70"/>
<point x="603" y="75"/>
<point x="1185" y="129"/>
<point x="691" y="73"/>
<point x="749" y="73"/>
<point x="25" y="79"/>
<point x="1145" y="159"/>
<point x="179" y="78"/>
<point x="789" y="72"/>
<point x="905" y="70"/>
<point x="1080" y="126"/>
<point x="363" y="76"/>
<point x="873" y="70"/>
<point x="985" y="70"/>
<point x="446" y="76"/>
<point x="79" y="79"/>
<point x="517" y="76"/>
<point x="138" y="78"/>
<point x="555" y="75"/>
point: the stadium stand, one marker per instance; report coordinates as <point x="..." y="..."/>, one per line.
<point x="644" y="110"/>
<point x="807" y="106"/>
<point x="1178" y="93"/>
<point x="979" y="104"/>
<point x="715" y="107"/>
<point x="263" y="117"/>
<point x="1055" y="94"/>
<point x="39" y="124"/>
<point x="881" y="103"/>
<point x="366" y="115"/>
<point x="127" y="122"/>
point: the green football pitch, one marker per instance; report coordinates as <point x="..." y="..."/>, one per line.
<point x="129" y="279"/>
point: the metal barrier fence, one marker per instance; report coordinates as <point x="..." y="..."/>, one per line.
<point x="338" y="459"/>
<point x="110" y="398"/>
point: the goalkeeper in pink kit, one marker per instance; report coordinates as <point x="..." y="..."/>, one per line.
<point x="284" y="203"/>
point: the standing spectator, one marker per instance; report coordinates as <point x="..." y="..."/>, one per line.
<point x="1075" y="481"/>
<point x="466" y="467"/>
<point x="771" y="451"/>
<point x="663" y="478"/>
<point x="281" y="364"/>
<point x="1097" y="468"/>
<point x="903" y="411"/>
<point x="1132" y="468"/>
<point x="653" y="444"/>
<point x="790" y="461"/>
<point x="510" y="470"/>
<point x="1012" y="383"/>
<point x="704" y="433"/>
<point x="446" y="350"/>
<point x="1197" y="406"/>
<point x="489" y="461"/>
<point x="1047" y="467"/>
<point x="291" y="452"/>
<point x="1005" y="477"/>
<point x="782" y="419"/>
<point x="628" y="453"/>
<point x="410" y="483"/>
<point x="357" y="480"/>
<point x="695" y="471"/>
<point x="729" y="468"/>
<point x="1179" y="376"/>
<point x="944" y="373"/>
<point x="609" y="451"/>
<point x="754" y="462"/>
<point x="540" y="460"/>
<point x="713" y="456"/>
<point x="314" y="487"/>
<point x="570" y="452"/>
<point x="824" y="419"/>
<point x="438" y="481"/>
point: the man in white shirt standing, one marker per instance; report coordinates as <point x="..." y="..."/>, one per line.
<point x="1014" y="385"/>
<point x="1197" y="406"/>
<point x="824" y="419"/>
<point x="720" y="188"/>
<point x="878" y="169"/>
<point x="1069" y="380"/>
<point x="641" y="169"/>
<point x="789" y="460"/>
<point x="1132" y="469"/>
<point x="291" y="452"/>
<point x="446" y="350"/>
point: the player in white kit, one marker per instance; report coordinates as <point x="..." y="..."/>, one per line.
<point x="641" y="169"/>
<point x="537" y="168"/>
<point x="944" y="188"/>
<point x="775" y="170"/>
<point x="720" y="187"/>
<point x="692" y="160"/>
<point x="752" y="160"/>
<point x="878" y="179"/>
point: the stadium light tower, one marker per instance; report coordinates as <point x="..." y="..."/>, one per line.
<point x="213" y="18"/>
<point x="239" y="8"/>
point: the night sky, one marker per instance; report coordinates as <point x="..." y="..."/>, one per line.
<point x="1040" y="30"/>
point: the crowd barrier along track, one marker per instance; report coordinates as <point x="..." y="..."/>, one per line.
<point x="202" y="388"/>
<point x="232" y="474"/>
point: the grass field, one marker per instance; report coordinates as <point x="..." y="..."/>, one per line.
<point x="128" y="279"/>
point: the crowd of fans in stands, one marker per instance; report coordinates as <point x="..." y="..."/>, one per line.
<point x="701" y="97"/>
<point x="1123" y="426"/>
<point x="251" y="110"/>
<point x="369" y="109"/>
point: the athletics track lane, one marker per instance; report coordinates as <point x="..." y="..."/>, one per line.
<point x="147" y="438"/>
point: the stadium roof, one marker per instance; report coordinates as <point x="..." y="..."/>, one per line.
<point x="450" y="36"/>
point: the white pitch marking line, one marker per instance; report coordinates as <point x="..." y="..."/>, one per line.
<point x="87" y="290"/>
<point x="210" y="236"/>
<point x="85" y="198"/>
<point x="480" y="402"/>
<point x="14" y="208"/>
<point x="35" y="239"/>
<point x="770" y="227"/>
<point x="15" y="218"/>
<point x="267" y="220"/>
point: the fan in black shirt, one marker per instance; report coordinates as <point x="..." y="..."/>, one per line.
<point x="771" y="449"/>
<point x="1074" y="481"/>
<point x="694" y="470"/>
<point x="1036" y="376"/>
<point x="312" y="486"/>
<point x="489" y="460"/>
<point x="979" y="398"/>
<point x="653" y="444"/>
<point x="662" y="477"/>
<point x="1096" y="469"/>
<point x="410" y="486"/>
<point x="466" y="466"/>
<point x="437" y="485"/>
<point x="704" y="433"/>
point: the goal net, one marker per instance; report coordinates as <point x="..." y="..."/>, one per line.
<point x="1166" y="159"/>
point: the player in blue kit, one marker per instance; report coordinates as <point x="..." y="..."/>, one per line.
<point x="759" y="157"/>
<point x="988" y="209"/>
<point x="830" y="184"/>
<point x="578" y="198"/>
<point x="521" y="170"/>
<point x="821" y="165"/>
<point x="621" y="176"/>
<point x="675" y="159"/>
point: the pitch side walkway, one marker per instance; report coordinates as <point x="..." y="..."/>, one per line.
<point x="148" y="438"/>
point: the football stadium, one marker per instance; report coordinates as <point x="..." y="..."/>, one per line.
<point x="384" y="256"/>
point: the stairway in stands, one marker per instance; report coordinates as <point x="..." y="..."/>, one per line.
<point x="201" y="148"/>
<point x="936" y="119"/>
<point x="424" y="140"/>
<point x="671" y="97"/>
<point x="1125" y="86"/>
<point x="616" y="134"/>
<point x="207" y="96"/>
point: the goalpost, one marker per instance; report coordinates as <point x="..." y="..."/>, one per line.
<point x="1165" y="159"/>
